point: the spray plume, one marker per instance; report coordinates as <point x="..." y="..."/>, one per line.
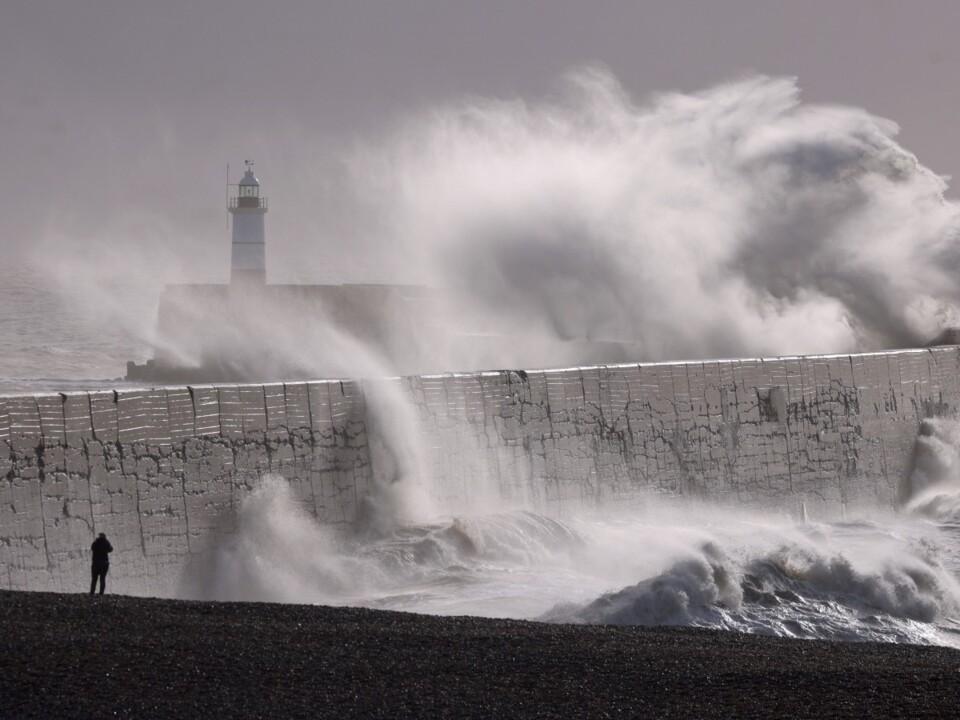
<point x="728" y="222"/>
<point x="733" y="221"/>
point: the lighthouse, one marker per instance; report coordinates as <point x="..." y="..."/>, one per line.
<point x="248" y="257"/>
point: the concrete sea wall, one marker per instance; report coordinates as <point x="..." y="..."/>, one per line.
<point x="162" y="471"/>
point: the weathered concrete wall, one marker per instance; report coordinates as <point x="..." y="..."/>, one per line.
<point x="160" y="471"/>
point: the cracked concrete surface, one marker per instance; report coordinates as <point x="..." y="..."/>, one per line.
<point x="161" y="471"/>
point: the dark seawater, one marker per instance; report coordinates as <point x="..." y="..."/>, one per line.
<point x="56" y="340"/>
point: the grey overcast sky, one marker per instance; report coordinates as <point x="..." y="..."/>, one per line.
<point x="119" y="109"/>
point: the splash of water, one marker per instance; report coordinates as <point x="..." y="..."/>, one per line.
<point x="276" y="552"/>
<point x="934" y="485"/>
<point x="737" y="220"/>
<point x="733" y="221"/>
<point x="884" y="580"/>
<point x="853" y="582"/>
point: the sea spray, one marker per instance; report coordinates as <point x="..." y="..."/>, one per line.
<point x="276" y="552"/>
<point x="853" y="582"/>
<point x="399" y="494"/>
<point x="885" y="577"/>
<point x="882" y="580"/>
<point x="733" y="221"/>
<point x="736" y="220"/>
<point x="933" y="488"/>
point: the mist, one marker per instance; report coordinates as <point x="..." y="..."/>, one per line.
<point x="588" y="226"/>
<point x="733" y="221"/>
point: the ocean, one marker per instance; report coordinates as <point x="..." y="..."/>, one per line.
<point x="52" y="341"/>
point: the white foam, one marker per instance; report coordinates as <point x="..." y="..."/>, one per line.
<point x="887" y="580"/>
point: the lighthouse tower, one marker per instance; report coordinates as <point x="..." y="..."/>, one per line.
<point x="248" y="259"/>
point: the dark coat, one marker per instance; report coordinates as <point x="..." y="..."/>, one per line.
<point x="101" y="552"/>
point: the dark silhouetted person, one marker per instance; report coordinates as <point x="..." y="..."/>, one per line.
<point x="101" y="562"/>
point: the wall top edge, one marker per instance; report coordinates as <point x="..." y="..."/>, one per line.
<point x="487" y="373"/>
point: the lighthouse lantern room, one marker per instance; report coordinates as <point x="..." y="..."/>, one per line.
<point x="248" y="257"/>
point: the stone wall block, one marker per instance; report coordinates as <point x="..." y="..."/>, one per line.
<point x="841" y="373"/>
<point x="499" y="389"/>
<point x="434" y="395"/>
<point x="927" y="389"/>
<point x="340" y="403"/>
<point x="4" y="419"/>
<point x="52" y="424"/>
<point x="658" y="382"/>
<point x="808" y="380"/>
<point x="496" y="391"/>
<point x="765" y="387"/>
<point x="133" y="417"/>
<point x="413" y="388"/>
<point x="297" y="405"/>
<point x="25" y="428"/>
<point x="208" y="493"/>
<point x="253" y="407"/>
<point x="346" y="400"/>
<point x="556" y="396"/>
<point x="945" y="369"/>
<point x="104" y="415"/>
<point x="898" y="382"/>
<point x="822" y="373"/>
<point x="6" y="457"/>
<point x="775" y="372"/>
<point x="231" y="411"/>
<point x="936" y="390"/>
<point x="858" y="373"/>
<point x="845" y="365"/>
<point x="887" y="399"/>
<point x="473" y="398"/>
<point x="455" y="390"/>
<point x="728" y="386"/>
<point x="8" y="513"/>
<point x="748" y="384"/>
<point x="78" y="419"/>
<point x="355" y="404"/>
<point x="879" y="370"/>
<point x="948" y="370"/>
<point x="275" y="404"/>
<point x="712" y="395"/>
<point x="156" y="412"/>
<point x="614" y="394"/>
<point x="162" y="516"/>
<point x="681" y="393"/>
<point x="525" y="398"/>
<point x="591" y="388"/>
<point x="866" y="377"/>
<point x="68" y="522"/>
<point x="318" y="395"/>
<point x="914" y="382"/>
<point x="180" y="418"/>
<point x="825" y="391"/>
<point x="206" y="409"/>
<point x="696" y="389"/>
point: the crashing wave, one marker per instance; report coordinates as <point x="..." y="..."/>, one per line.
<point x="801" y="589"/>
